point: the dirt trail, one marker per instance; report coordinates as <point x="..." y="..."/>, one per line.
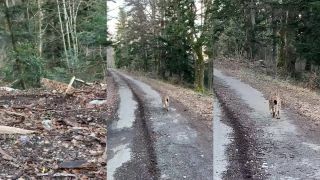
<point x="128" y="155"/>
<point x="270" y="148"/>
<point x="296" y="97"/>
<point x="173" y="145"/>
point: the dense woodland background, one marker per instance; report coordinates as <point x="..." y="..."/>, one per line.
<point x="169" y="38"/>
<point x="52" y="38"/>
<point x="285" y="34"/>
<point x="179" y="39"/>
<point x="176" y="40"/>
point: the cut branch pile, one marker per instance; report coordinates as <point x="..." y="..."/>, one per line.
<point x="59" y="87"/>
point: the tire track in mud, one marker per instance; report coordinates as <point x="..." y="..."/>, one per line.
<point x="175" y="148"/>
<point x="112" y="98"/>
<point x="241" y="151"/>
<point x="141" y="120"/>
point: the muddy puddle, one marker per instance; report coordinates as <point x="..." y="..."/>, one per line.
<point x="222" y="135"/>
<point x="126" y="111"/>
<point x="120" y="134"/>
<point x="151" y="94"/>
<point x="121" y="155"/>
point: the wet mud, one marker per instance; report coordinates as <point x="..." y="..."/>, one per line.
<point x="128" y="143"/>
<point x="222" y="138"/>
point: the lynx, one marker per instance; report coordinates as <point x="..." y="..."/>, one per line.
<point x="275" y="105"/>
<point x="165" y="102"/>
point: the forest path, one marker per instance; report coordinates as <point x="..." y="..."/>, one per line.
<point x="146" y="142"/>
<point x="263" y="147"/>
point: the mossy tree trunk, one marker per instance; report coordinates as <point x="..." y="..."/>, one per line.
<point x="199" y="68"/>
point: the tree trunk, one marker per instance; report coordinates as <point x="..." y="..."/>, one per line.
<point x="308" y="66"/>
<point x="27" y="17"/>
<point x="146" y="64"/>
<point x="73" y="12"/>
<point x="17" y="65"/>
<point x="40" y="43"/>
<point x="287" y="55"/>
<point x="199" y="69"/>
<point x="66" y="19"/>
<point x="9" y="25"/>
<point x="283" y="41"/>
<point x="274" y="41"/>
<point x="290" y="49"/>
<point x="62" y="34"/>
<point x="250" y="29"/>
<point x="107" y="33"/>
<point x="291" y="61"/>
<point x="161" y="53"/>
<point x="210" y="75"/>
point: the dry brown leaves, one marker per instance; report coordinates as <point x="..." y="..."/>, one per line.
<point x="71" y="137"/>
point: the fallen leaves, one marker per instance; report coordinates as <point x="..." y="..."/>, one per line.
<point x="49" y="135"/>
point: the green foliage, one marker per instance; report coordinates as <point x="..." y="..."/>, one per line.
<point x="133" y="47"/>
<point x="280" y="32"/>
<point x="308" y="37"/>
<point x="231" y="41"/>
<point x="122" y="58"/>
<point x="25" y="66"/>
<point x="95" y="66"/>
<point x="143" y="45"/>
<point x="92" y="27"/>
<point x="58" y="73"/>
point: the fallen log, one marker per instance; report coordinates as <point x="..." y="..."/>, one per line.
<point x="57" y="175"/>
<point x="69" y="85"/>
<point x="83" y="82"/>
<point x="14" y="130"/>
<point x="9" y="89"/>
<point x="102" y="85"/>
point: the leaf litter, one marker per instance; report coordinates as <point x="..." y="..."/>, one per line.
<point x="50" y="135"/>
